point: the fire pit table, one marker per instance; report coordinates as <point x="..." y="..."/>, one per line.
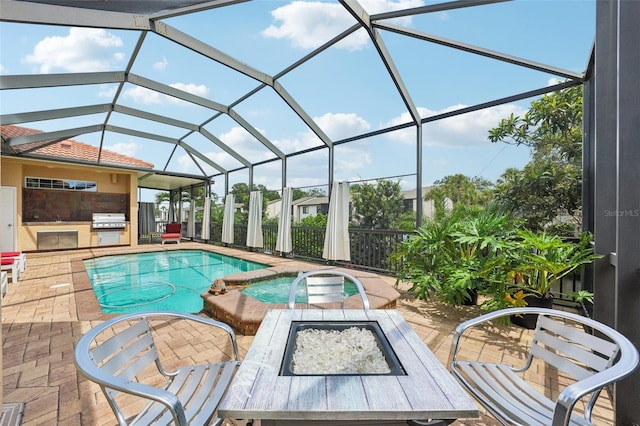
<point x="415" y="385"/>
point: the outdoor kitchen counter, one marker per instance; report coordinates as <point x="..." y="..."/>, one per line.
<point x="53" y="235"/>
<point x="58" y="223"/>
<point x="259" y="391"/>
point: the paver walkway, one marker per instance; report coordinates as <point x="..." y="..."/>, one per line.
<point x="40" y="325"/>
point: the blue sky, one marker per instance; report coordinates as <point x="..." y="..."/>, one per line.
<point x="345" y="89"/>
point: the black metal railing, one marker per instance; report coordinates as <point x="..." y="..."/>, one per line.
<point x="370" y="249"/>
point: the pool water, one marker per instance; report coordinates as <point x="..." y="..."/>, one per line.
<point x="276" y="290"/>
<point x="167" y="280"/>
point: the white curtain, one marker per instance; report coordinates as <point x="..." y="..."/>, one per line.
<point x="254" y="227"/>
<point x="336" y="239"/>
<point x="191" y="221"/>
<point x="227" y="221"/>
<point x="206" y="220"/>
<point x="283" y="242"/>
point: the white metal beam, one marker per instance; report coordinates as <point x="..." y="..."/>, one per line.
<point x="51" y="114"/>
<point x="32" y="81"/>
<point x="41" y="13"/>
<point x="210" y="52"/>
<point x="47" y="136"/>
<point x="224" y="147"/>
<point x="361" y="16"/>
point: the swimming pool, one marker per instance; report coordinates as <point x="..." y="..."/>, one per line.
<point x="276" y="290"/>
<point x="166" y="280"/>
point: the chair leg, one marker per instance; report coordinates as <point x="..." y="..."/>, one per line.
<point x="430" y="422"/>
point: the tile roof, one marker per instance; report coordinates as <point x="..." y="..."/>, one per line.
<point x="69" y="149"/>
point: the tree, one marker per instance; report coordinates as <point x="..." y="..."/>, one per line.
<point x="242" y="194"/>
<point x="377" y="206"/>
<point x="314" y="192"/>
<point x="460" y="189"/>
<point x="318" y="220"/>
<point x="551" y="182"/>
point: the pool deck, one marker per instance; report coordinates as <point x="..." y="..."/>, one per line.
<point x="47" y="311"/>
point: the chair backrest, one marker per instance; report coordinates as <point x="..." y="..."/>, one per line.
<point x="570" y="349"/>
<point x="592" y="353"/>
<point x="576" y="348"/>
<point x="173" y="228"/>
<point x="325" y="290"/>
<point x="121" y="356"/>
<point x="325" y="286"/>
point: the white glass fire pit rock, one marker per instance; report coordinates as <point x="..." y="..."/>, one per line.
<point x="321" y="348"/>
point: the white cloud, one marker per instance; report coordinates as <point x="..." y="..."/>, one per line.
<point x="195" y="89"/>
<point x="379" y="6"/>
<point x="553" y="81"/>
<point x="309" y="24"/>
<point x="142" y="95"/>
<point x="460" y="130"/>
<point x="107" y="92"/>
<point x="185" y="164"/>
<point x="82" y="50"/>
<point x="161" y="65"/>
<point x="129" y="149"/>
<point x="3" y="70"/>
<point x="339" y="125"/>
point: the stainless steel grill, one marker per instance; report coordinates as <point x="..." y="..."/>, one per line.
<point x="109" y="221"/>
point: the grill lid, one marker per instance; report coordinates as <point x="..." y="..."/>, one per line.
<point x="109" y="220"/>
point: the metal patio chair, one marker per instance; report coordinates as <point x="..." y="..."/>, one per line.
<point x="590" y="354"/>
<point x="325" y="286"/>
<point x="121" y="356"/>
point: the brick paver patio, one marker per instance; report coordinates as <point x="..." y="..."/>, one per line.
<point x="41" y="323"/>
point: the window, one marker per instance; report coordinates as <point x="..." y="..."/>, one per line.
<point x="305" y="209"/>
<point x="72" y="185"/>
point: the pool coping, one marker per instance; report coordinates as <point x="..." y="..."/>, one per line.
<point x="241" y="312"/>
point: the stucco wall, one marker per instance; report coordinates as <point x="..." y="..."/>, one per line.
<point x="13" y="174"/>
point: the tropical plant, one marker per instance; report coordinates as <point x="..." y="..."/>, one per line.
<point x="538" y="261"/>
<point x="420" y="259"/>
<point x="452" y="257"/>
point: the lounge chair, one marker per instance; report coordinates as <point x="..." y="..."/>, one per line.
<point x="19" y="256"/>
<point x="173" y="232"/>
<point x="10" y="264"/>
<point x="121" y="356"/>
<point x="325" y="286"/>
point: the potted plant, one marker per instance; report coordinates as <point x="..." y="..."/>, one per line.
<point x="536" y="263"/>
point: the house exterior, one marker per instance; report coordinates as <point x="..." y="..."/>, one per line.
<point x="310" y="206"/>
<point x="50" y="204"/>
<point x="300" y="208"/>
<point x="428" y="206"/>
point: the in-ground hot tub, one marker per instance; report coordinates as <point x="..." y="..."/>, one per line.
<point x="245" y="313"/>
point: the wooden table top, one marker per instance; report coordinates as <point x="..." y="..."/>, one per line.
<point x="427" y="391"/>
